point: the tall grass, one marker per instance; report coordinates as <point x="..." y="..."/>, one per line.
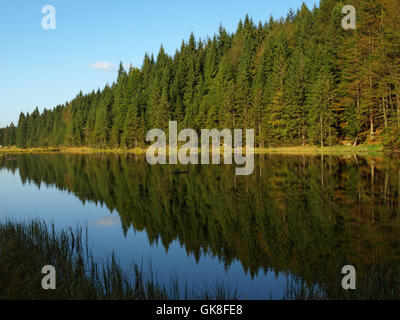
<point x="377" y="282"/>
<point x="25" y="247"/>
<point x="297" y="289"/>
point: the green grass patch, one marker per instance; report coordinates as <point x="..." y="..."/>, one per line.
<point x="338" y="150"/>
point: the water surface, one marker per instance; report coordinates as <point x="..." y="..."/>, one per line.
<point x="295" y="217"/>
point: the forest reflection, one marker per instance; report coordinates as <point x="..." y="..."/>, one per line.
<point x="303" y="215"/>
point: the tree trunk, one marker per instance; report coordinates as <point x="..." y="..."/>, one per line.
<point x="371" y="120"/>
<point x="355" y="142"/>
<point x="322" y="132"/>
<point x="384" y="112"/>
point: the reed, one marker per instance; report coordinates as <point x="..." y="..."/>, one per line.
<point x="25" y="247"/>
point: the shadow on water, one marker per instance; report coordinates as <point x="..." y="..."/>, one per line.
<point x="300" y="215"/>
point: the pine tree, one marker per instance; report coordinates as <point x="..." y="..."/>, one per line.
<point x="297" y="80"/>
<point x="21" y="131"/>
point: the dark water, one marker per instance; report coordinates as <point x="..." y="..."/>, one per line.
<point x="294" y="217"/>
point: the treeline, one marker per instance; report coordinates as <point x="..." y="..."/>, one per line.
<point x="302" y="79"/>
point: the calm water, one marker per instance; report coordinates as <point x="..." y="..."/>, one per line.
<point x="294" y="217"/>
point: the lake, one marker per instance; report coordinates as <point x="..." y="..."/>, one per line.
<point x="296" y="219"/>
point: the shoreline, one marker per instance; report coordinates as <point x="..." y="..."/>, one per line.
<point x="337" y="150"/>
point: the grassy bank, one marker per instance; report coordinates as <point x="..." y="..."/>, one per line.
<point x="338" y="150"/>
<point x="78" y="150"/>
<point x="6" y="150"/>
<point x="25" y="247"/>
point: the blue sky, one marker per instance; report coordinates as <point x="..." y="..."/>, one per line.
<point x="48" y="67"/>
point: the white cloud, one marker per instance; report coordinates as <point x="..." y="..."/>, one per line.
<point x="106" y="222"/>
<point x="104" y="66"/>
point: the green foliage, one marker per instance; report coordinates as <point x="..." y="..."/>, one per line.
<point x="299" y="80"/>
